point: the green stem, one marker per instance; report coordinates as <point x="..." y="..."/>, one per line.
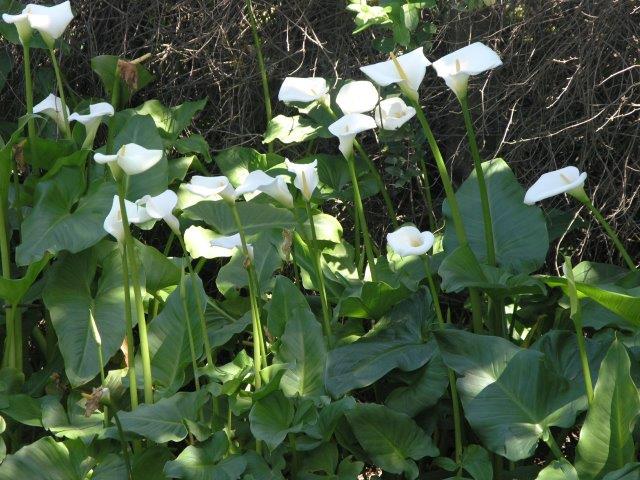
<point x="263" y="71"/>
<point x="357" y="199"/>
<point x="258" y="345"/>
<point x="326" y="312"/>
<point x="482" y="184"/>
<point x="65" y="115"/>
<point x="125" y="448"/>
<point x="185" y="308"/>
<point x="220" y="310"/>
<point x="426" y="189"/>
<point x="137" y="293"/>
<point x="474" y="295"/>
<point x="612" y="235"/>
<point x="131" y="369"/>
<point x="553" y="446"/>
<point x="115" y="100"/>
<point x="28" y="92"/>
<point x="5" y="257"/>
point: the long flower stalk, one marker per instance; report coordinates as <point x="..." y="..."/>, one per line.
<point x="65" y="114"/>
<point x="131" y="369"/>
<point x="185" y="308"/>
<point x="28" y="92"/>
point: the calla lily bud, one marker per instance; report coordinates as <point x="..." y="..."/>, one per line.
<point x="357" y="97"/>
<point x="306" y="177"/>
<point x="408" y="240"/>
<point x="258" y="181"/>
<point x="52" y="108"/>
<point x="347" y="127"/>
<point x="456" y="67"/>
<point x="226" y="246"/>
<point x="212" y="188"/>
<point x="21" y="21"/>
<point x="92" y="120"/>
<point x="566" y="180"/>
<point x="392" y="113"/>
<point x="161" y="207"/>
<point x="303" y="90"/>
<point x="406" y="70"/>
<point x="51" y="22"/>
<point x="113" y="221"/>
<point x="132" y="158"/>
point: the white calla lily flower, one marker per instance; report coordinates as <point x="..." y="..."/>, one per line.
<point x="92" y="120"/>
<point x="408" y="240"/>
<point x="259" y="181"/>
<point x="132" y="158"/>
<point x="407" y="70"/>
<point x="456" y="67"/>
<point x="161" y="207"/>
<point x="52" y="108"/>
<point x="51" y="22"/>
<point x="306" y="177"/>
<point x="357" y="97"/>
<point x="304" y="90"/>
<point x="392" y="113"/>
<point x="212" y="188"/>
<point x="565" y="180"/>
<point x="21" y="21"/>
<point x="347" y="127"/>
<point x="113" y="222"/>
<point x="227" y="245"/>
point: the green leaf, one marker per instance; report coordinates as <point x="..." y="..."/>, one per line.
<point x="271" y="419"/>
<point x="205" y="462"/>
<point x="391" y="439"/>
<point x="61" y="219"/>
<point x="558" y="470"/>
<point x="194" y="144"/>
<point x="396" y="341"/>
<point x="163" y="421"/>
<point x="169" y="337"/>
<point x="47" y="459"/>
<point x="476" y="461"/>
<point x="21" y="408"/>
<point x="159" y="271"/>
<point x="255" y="217"/>
<point x="171" y="121"/>
<point x="508" y="414"/>
<point x="606" y="440"/>
<point x="520" y="231"/>
<point x="12" y="291"/>
<point x="628" y="472"/>
<point x="370" y="299"/>
<point x="294" y="129"/>
<point x="70" y="296"/>
<point x="236" y="162"/>
<point x="287" y="303"/>
<point x="105" y="67"/>
<point x="71" y="423"/>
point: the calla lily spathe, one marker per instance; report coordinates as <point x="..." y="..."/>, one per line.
<point x="226" y="246"/>
<point x="161" y="207"/>
<point x="92" y="120"/>
<point x="408" y="240"/>
<point x="456" y="67"/>
<point x="131" y="158"/>
<point x="392" y="113"/>
<point x="21" y="21"/>
<point x="113" y="221"/>
<point x="357" y="97"/>
<point x="51" y="22"/>
<point x="52" y="108"/>
<point x="407" y="70"/>
<point x="306" y="179"/>
<point x="259" y="181"/>
<point x="212" y="188"/>
<point x="347" y="127"/>
<point x="303" y="90"/>
<point x="566" y="180"/>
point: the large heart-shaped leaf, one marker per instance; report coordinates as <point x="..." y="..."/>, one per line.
<point x="520" y="233"/>
<point x="12" y="291"/>
<point x="397" y="341"/>
<point x="391" y="439"/>
<point x="606" y="438"/>
<point x="171" y="121"/>
<point x="61" y="219"/>
<point x="106" y="66"/>
<point x="71" y="298"/>
<point x="510" y="396"/>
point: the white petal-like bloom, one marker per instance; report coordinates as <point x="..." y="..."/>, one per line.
<point x="51" y="22"/>
<point x="304" y="90"/>
<point x="565" y="180"/>
<point x="408" y="240"/>
<point x="161" y="207"/>
<point x="407" y="70"/>
<point x="392" y="113"/>
<point x="21" y="21"/>
<point x="52" y="108"/>
<point x="228" y="245"/>
<point x="259" y="181"/>
<point x="306" y="177"/>
<point x="347" y="127"/>
<point x="357" y="97"/>
<point x="113" y="221"/>
<point x="97" y="112"/>
<point x="456" y="67"/>
<point x="212" y="188"/>
<point x="132" y="158"/>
